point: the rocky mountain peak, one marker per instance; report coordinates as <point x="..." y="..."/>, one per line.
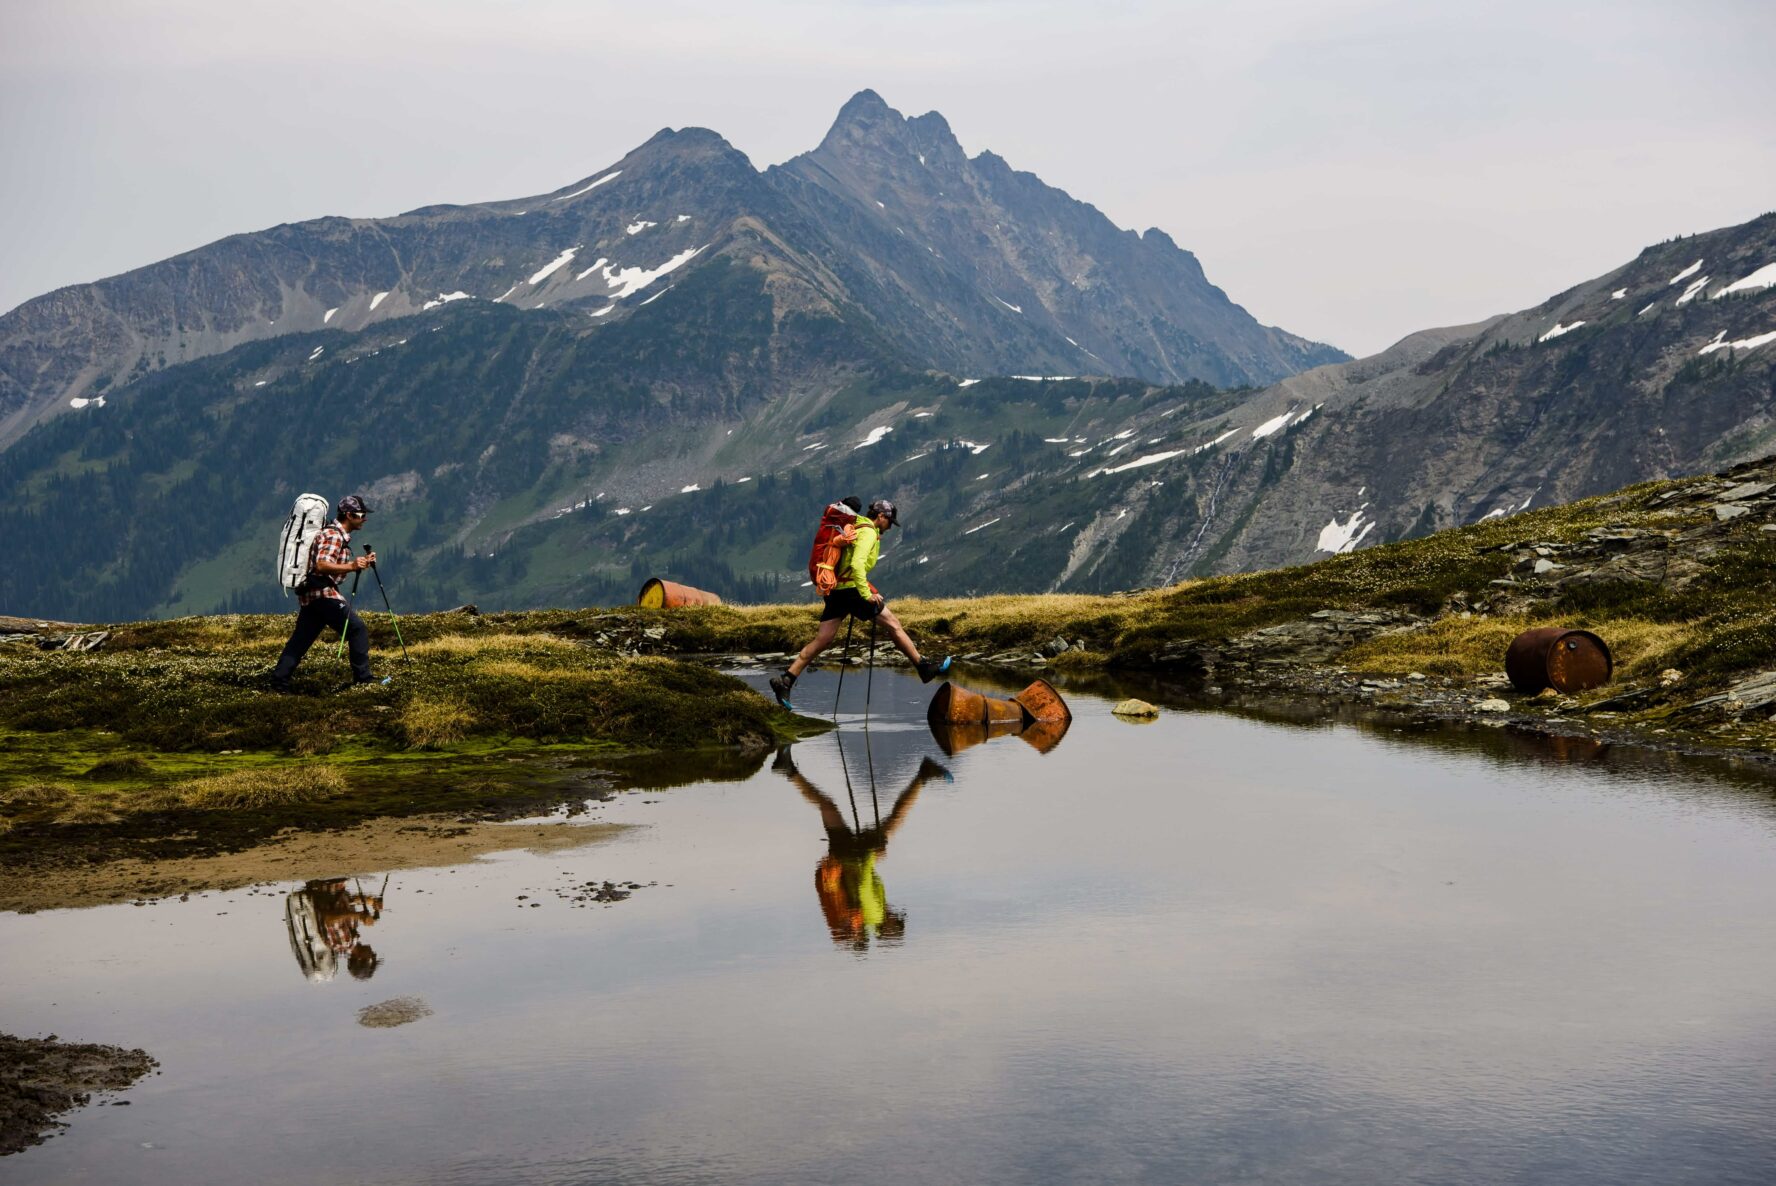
<point x="868" y="127"/>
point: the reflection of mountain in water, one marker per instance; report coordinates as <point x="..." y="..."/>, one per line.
<point x="325" y="920"/>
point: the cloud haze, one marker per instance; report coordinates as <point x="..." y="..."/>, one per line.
<point x="1348" y="170"/>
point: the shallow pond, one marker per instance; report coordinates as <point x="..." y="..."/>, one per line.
<point x="1221" y="947"/>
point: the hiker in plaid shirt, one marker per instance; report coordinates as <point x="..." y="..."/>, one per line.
<point x="324" y="607"/>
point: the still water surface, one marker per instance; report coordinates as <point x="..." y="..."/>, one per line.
<point x="1218" y="948"/>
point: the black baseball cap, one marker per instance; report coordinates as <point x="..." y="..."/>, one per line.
<point x="353" y="504"/>
<point x="883" y="507"/>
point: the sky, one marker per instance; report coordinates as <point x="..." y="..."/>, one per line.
<point x="1351" y="170"/>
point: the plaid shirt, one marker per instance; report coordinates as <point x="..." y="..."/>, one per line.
<point x="333" y="545"/>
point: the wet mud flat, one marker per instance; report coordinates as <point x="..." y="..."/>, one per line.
<point x="43" y="1078"/>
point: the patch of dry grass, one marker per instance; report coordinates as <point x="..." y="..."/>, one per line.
<point x="475" y="645"/>
<point x="431" y="723"/>
<point x="37" y="794"/>
<point x="268" y="787"/>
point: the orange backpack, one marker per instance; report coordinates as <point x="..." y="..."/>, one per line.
<point x="837" y="531"/>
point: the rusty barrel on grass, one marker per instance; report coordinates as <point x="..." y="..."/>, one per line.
<point x="1555" y="657"/>
<point x="663" y="594"/>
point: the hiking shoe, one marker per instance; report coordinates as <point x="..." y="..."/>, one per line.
<point x="281" y="687"/>
<point x="930" y="669"/>
<point x="373" y="682"/>
<point x="780" y="686"/>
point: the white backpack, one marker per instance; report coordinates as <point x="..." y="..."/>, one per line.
<point x="306" y="519"/>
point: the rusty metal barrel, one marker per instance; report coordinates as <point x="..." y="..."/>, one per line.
<point x="1555" y="657"/>
<point x="663" y="594"/>
<point x="960" y="718"/>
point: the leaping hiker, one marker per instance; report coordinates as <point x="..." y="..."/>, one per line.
<point x="322" y="559"/>
<point x="846" y="546"/>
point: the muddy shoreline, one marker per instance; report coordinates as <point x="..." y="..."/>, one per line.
<point x="43" y="1078"/>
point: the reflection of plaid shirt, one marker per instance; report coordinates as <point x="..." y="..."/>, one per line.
<point x="333" y="545"/>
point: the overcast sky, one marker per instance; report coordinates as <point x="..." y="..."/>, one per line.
<point x="1351" y="170"/>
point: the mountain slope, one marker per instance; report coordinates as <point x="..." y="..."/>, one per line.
<point x="677" y="202"/>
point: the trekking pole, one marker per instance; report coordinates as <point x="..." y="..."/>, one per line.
<point x="339" y="651"/>
<point x="870" y="677"/>
<point x="856" y="824"/>
<point x="869" y="756"/>
<point x="844" y="661"/>
<point x="391" y="610"/>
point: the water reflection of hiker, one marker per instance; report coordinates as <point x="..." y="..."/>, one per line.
<point x="850" y="890"/>
<point x="324" y="918"/>
<point x="853" y="596"/>
<point x="323" y="607"/>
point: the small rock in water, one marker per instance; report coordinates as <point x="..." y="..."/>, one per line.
<point x="1137" y="709"/>
<point x="392" y="1012"/>
<point x="1493" y="705"/>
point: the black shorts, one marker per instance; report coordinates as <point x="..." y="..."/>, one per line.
<point x="849" y="603"/>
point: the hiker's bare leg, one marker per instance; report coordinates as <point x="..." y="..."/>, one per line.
<point x="823" y="638"/>
<point x="889" y="624"/>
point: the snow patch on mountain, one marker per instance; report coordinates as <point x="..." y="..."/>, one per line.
<point x="1741" y="344"/>
<point x="553" y="266"/>
<point x="1764" y="277"/>
<point x="611" y="176"/>
<point x="1558" y="330"/>
<point x="875" y="434"/>
<point x="1685" y="274"/>
<point x="628" y="281"/>
<point x="1274" y="424"/>
<point x="638" y="226"/>
<point x="377" y="300"/>
<point x="1693" y="291"/>
<point x="1336" y="537"/>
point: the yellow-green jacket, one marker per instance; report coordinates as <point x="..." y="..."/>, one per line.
<point x="856" y="560"/>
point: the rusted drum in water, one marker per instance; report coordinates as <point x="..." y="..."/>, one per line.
<point x="953" y="705"/>
<point x="1555" y="657"/>
<point x="659" y="594"/>
<point x="1043" y="703"/>
<point x="956" y="705"/>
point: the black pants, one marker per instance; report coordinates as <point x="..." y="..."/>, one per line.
<point x="328" y="616"/>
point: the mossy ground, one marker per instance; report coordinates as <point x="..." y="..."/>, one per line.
<point x="1715" y="629"/>
<point x="172" y="731"/>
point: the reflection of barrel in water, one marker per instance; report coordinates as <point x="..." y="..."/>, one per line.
<point x="324" y="919"/>
<point x="852" y="897"/>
